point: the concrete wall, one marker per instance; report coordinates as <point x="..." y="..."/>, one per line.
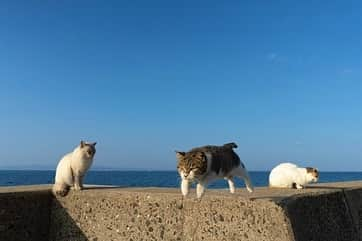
<point x="24" y="215"/>
<point x="152" y="214"/>
<point x="325" y="212"/>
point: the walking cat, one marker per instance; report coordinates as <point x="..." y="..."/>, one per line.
<point x="289" y="175"/>
<point x="207" y="163"/>
<point x="72" y="167"/>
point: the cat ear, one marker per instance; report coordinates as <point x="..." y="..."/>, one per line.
<point x="82" y="144"/>
<point x="94" y="144"/>
<point x="179" y="154"/>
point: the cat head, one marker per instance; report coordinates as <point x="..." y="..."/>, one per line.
<point x="312" y="174"/>
<point x="88" y="149"/>
<point x="191" y="165"/>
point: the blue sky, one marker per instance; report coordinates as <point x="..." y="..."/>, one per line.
<point x="282" y="79"/>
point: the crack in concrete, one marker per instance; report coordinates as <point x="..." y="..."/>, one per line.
<point x="349" y="209"/>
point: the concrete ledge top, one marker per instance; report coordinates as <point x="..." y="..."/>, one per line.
<point x="266" y="193"/>
<point x="324" y="211"/>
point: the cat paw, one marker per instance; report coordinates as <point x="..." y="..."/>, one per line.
<point x="77" y="188"/>
<point x="200" y="190"/>
<point x="184" y="187"/>
<point x="61" y="193"/>
<point x="199" y="195"/>
<point x="250" y="189"/>
<point x="185" y="192"/>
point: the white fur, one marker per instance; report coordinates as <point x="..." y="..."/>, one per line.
<point x="211" y="176"/>
<point x="285" y="174"/>
<point x="185" y="187"/>
<point x="71" y="170"/>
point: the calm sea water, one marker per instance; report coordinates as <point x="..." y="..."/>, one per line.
<point x="148" y="178"/>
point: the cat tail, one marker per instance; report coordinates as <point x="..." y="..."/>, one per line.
<point x="231" y="145"/>
<point x="60" y="189"/>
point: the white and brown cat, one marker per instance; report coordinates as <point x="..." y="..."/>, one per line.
<point x="72" y="168"/>
<point x="207" y="163"/>
<point x="289" y="175"/>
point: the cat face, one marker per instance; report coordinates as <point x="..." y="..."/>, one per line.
<point x="312" y="174"/>
<point x="191" y="165"/>
<point x="88" y="149"/>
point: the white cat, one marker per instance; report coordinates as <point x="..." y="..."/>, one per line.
<point x="289" y="175"/>
<point x="72" y="168"/>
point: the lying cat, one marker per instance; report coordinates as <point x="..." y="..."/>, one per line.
<point x="72" y="168"/>
<point x="207" y="163"/>
<point x="289" y="175"/>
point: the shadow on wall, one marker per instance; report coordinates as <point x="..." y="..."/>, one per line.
<point x="24" y="216"/>
<point x="321" y="217"/>
<point x="62" y="226"/>
<point x="35" y="216"/>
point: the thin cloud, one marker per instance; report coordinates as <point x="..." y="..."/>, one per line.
<point x="347" y="71"/>
<point x="272" y="56"/>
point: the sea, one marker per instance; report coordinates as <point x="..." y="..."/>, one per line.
<point x="148" y="178"/>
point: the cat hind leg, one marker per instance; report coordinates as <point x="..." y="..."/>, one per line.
<point x="60" y="189"/>
<point x="231" y="184"/>
<point x="243" y="174"/>
<point x="200" y="190"/>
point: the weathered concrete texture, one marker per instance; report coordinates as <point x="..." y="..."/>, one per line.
<point x="24" y="215"/>
<point x="321" y="212"/>
<point x="150" y="215"/>
<point x="321" y="217"/>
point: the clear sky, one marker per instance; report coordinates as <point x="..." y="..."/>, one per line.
<point x="282" y="79"/>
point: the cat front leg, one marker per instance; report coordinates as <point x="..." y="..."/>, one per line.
<point x="77" y="183"/>
<point x="297" y="186"/>
<point x="202" y="184"/>
<point x="184" y="187"/>
<point x="200" y="189"/>
<point x="231" y="184"/>
<point x="81" y="178"/>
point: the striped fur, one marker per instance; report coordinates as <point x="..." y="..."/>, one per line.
<point x="224" y="159"/>
<point x="202" y="164"/>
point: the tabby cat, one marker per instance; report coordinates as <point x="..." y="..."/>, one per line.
<point x="207" y="163"/>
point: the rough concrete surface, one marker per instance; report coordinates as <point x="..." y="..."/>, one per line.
<point x="116" y="214"/>
<point x="25" y="215"/>
<point x="321" y="212"/>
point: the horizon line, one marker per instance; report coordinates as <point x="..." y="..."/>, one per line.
<point x="137" y="170"/>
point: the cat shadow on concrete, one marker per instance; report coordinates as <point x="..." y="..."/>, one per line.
<point x="93" y="187"/>
<point x="324" y="187"/>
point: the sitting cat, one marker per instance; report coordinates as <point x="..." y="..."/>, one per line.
<point x="289" y="175"/>
<point x="72" y="168"/>
<point x="204" y="164"/>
